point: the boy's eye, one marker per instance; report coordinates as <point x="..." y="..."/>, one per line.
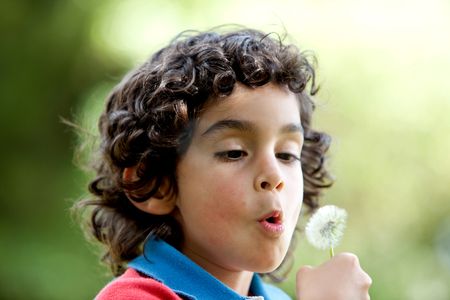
<point x="287" y="157"/>
<point x="231" y="155"/>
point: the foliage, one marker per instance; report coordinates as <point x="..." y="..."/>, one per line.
<point x="385" y="99"/>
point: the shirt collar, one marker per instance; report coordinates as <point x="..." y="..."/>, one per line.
<point x="166" y="264"/>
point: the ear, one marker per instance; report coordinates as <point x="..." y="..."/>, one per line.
<point x="161" y="203"/>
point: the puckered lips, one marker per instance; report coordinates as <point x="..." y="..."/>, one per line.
<point x="272" y="223"/>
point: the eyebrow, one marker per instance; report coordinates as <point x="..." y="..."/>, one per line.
<point x="292" y="128"/>
<point x="247" y="127"/>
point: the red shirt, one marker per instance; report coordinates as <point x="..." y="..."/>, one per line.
<point x="133" y="286"/>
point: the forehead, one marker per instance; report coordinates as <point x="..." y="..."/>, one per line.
<point x="271" y="102"/>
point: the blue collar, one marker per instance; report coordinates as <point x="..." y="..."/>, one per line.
<point x="166" y="264"/>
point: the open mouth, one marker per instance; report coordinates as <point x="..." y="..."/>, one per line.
<point x="272" y="224"/>
<point x="273" y="218"/>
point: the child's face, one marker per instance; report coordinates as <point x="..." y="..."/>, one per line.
<point x="241" y="168"/>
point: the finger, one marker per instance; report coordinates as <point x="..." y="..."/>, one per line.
<point x="303" y="270"/>
<point x="363" y="278"/>
<point x="302" y="279"/>
<point x="366" y="280"/>
<point x="348" y="257"/>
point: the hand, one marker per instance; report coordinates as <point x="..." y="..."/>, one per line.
<point x="340" y="278"/>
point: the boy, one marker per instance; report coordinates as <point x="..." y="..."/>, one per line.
<point x="207" y="154"/>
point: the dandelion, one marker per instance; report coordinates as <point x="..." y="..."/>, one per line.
<point x="326" y="227"/>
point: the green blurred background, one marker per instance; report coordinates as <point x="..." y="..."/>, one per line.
<point x="385" y="98"/>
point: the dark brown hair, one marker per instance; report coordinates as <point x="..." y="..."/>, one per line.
<point x="149" y="118"/>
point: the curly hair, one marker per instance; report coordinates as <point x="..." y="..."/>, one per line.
<point x="148" y="123"/>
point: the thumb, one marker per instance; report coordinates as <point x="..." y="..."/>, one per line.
<point x="303" y="270"/>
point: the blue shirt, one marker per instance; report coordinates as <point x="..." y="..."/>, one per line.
<point x="166" y="264"/>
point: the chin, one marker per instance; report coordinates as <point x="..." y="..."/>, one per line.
<point x="266" y="259"/>
<point x="268" y="266"/>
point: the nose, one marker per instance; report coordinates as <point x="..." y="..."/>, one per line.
<point x="269" y="176"/>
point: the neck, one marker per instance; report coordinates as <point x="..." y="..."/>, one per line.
<point x="239" y="281"/>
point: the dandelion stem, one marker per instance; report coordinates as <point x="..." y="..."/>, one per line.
<point x="331" y="252"/>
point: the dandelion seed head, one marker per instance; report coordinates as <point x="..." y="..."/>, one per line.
<point x="325" y="228"/>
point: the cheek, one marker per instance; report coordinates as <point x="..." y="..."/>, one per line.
<point x="222" y="211"/>
<point x="227" y="196"/>
<point x="214" y="191"/>
<point x="295" y="200"/>
<point x="293" y="211"/>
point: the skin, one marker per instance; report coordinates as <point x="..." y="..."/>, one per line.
<point x="233" y="174"/>
<point x="242" y="164"/>
<point x="340" y="278"/>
